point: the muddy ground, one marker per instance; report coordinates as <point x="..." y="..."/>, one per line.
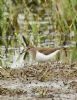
<point x="48" y="81"/>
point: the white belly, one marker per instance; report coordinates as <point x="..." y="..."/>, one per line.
<point x="42" y="57"/>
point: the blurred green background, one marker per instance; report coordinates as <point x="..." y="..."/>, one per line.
<point x="43" y="22"/>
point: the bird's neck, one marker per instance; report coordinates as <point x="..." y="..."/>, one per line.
<point x="33" y="52"/>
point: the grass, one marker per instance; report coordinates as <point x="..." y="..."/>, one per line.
<point x="61" y="16"/>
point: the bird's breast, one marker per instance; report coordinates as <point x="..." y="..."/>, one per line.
<point x="42" y="57"/>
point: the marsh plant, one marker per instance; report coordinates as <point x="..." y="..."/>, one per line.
<point x="43" y="22"/>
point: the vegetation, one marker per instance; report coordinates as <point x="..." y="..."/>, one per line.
<point x="44" y="20"/>
<point x="44" y="23"/>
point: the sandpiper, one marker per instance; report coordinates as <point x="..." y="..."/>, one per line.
<point x="42" y="54"/>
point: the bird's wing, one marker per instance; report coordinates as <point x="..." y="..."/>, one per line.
<point x="47" y="51"/>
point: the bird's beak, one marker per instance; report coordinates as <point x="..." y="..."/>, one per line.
<point x="25" y="40"/>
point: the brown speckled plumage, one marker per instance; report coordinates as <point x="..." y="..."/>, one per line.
<point x="43" y="50"/>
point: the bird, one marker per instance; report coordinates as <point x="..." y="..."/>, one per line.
<point x="42" y="54"/>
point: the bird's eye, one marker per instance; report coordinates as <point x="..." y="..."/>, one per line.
<point x="28" y="48"/>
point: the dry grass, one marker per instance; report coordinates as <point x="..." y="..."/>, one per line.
<point x="48" y="80"/>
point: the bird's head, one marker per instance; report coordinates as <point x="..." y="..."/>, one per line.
<point x="31" y="49"/>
